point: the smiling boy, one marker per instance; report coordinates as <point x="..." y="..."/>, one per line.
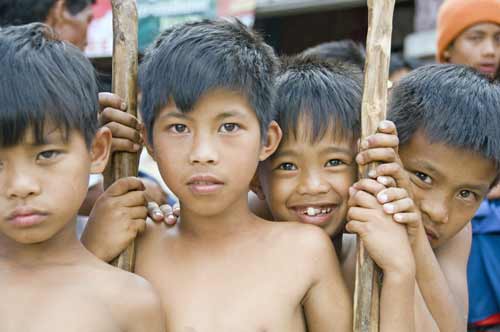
<point x="308" y="178"/>
<point x="49" y="143"/>
<point x="208" y="91"/>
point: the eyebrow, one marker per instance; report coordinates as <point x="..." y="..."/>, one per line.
<point x="229" y="114"/>
<point x="284" y="153"/>
<point x="175" y="115"/>
<point x="432" y="169"/>
<point x="336" y="149"/>
<point x="53" y="136"/>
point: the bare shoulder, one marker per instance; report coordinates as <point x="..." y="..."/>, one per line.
<point x="307" y="242"/>
<point x="130" y="298"/>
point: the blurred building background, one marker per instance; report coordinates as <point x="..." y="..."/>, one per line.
<point x="288" y="25"/>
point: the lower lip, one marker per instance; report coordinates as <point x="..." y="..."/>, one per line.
<point x="487" y="69"/>
<point x="27" y="220"/>
<point x="205" y="189"/>
<point x="430" y="237"/>
<point x="319" y="220"/>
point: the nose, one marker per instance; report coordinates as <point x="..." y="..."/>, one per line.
<point x="203" y="150"/>
<point x="21" y="185"/>
<point x="435" y="209"/>
<point x="488" y="48"/>
<point x="312" y="183"/>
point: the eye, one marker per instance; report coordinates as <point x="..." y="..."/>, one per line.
<point x="229" y="128"/>
<point x="334" y="163"/>
<point x="287" y="167"/>
<point x="178" y="128"/>
<point x="47" y="155"/>
<point x="423" y="177"/>
<point x="467" y="194"/>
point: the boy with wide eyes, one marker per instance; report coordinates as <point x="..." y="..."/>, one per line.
<point x="49" y="143"/>
<point x="308" y="178"/>
<point x="208" y="90"/>
<point x="447" y="118"/>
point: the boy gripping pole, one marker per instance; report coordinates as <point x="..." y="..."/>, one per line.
<point x="374" y="104"/>
<point x="124" y="164"/>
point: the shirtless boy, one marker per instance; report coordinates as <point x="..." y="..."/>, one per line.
<point x="447" y="119"/>
<point x="308" y="178"/>
<point x="297" y="170"/>
<point x="207" y="107"/>
<point x="49" y="143"/>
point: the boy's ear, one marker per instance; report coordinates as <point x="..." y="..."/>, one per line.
<point x="256" y="187"/>
<point x="100" y="150"/>
<point x="147" y="143"/>
<point x="273" y="139"/>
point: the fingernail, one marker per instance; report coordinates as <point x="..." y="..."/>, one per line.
<point x="382" y="179"/>
<point x="383" y="198"/>
<point x="158" y="214"/>
<point x="384" y="125"/>
<point x="170" y="220"/>
<point x="372" y="173"/>
<point x="359" y="159"/>
<point x="389" y="208"/>
<point x="365" y="144"/>
<point x="398" y="217"/>
<point x="137" y="147"/>
<point x="352" y="191"/>
<point x="123" y="106"/>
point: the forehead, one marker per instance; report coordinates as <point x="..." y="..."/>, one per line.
<point x="212" y="104"/>
<point x="485" y="27"/>
<point x="458" y="166"/>
<point x="303" y="141"/>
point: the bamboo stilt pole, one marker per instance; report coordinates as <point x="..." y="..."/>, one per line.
<point x="125" y="59"/>
<point x="374" y="105"/>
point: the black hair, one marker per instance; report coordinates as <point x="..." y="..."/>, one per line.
<point x="398" y="62"/>
<point x="191" y="59"/>
<point x="44" y="80"/>
<point x="343" y="50"/>
<point x="19" y="12"/>
<point x="324" y="92"/>
<point x="451" y="104"/>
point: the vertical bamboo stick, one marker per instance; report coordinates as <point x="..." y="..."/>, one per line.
<point x="125" y="58"/>
<point x="374" y="105"/>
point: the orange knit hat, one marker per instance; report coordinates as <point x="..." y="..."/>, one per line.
<point x="457" y="15"/>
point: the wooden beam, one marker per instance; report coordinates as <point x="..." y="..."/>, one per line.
<point x="125" y="59"/>
<point x="373" y="110"/>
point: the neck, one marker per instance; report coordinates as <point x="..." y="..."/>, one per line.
<point x="233" y="220"/>
<point x="62" y="248"/>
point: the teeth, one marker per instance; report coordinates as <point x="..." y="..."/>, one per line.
<point x="312" y="211"/>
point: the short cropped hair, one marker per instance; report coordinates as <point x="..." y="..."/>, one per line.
<point x="324" y="93"/>
<point x="19" y="12"/>
<point x="44" y="80"/>
<point x="192" y="59"/>
<point x="343" y="50"/>
<point x="450" y="104"/>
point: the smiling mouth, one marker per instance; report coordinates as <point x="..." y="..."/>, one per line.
<point x="315" y="214"/>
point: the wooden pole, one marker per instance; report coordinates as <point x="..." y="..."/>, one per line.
<point x="125" y="58"/>
<point x="373" y="110"/>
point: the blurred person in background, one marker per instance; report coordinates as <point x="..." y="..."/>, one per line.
<point x="69" y="18"/>
<point x="343" y="50"/>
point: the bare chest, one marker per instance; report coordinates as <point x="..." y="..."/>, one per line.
<point x="245" y="292"/>
<point x="54" y="307"/>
